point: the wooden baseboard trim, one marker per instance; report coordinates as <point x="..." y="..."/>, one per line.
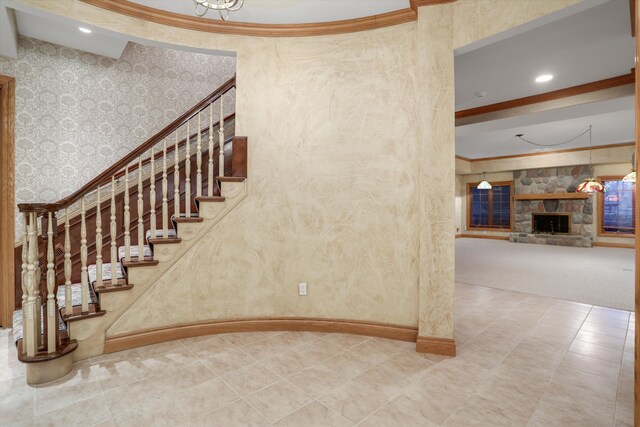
<point x="434" y="345"/>
<point x="154" y="336"/>
<point x="614" y="245"/>
<point x="458" y="236"/>
<point x="484" y="236"/>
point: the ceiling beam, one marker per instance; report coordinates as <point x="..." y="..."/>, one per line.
<point x="550" y="96"/>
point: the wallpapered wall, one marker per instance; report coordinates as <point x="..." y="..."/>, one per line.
<point x="77" y="113"/>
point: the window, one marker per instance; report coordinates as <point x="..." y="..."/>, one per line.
<point x="490" y="208"/>
<point x="617" y="207"/>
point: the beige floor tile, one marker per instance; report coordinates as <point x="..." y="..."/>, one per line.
<point x="348" y="364"/>
<point x="409" y="364"/>
<point x="86" y="412"/>
<point x="549" y="415"/>
<point x="607" y="321"/>
<point x="228" y="361"/>
<point x="608" y="354"/>
<point x="239" y="413"/>
<point x="345" y="341"/>
<point x="591" y="365"/>
<point x="374" y="351"/>
<point x="202" y="398"/>
<point x="500" y="409"/>
<point x="574" y="399"/>
<point x="393" y="415"/>
<point x="314" y="414"/>
<point x="155" y="413"/>
<point x="294" y="339"/>
<point x="250" y="379"/>
<point x="604" y="330"/>
<point x="263" y="349"/>
<point x="17" y="401"/>
<point x="383" y="379"/>
<point x="454" y="376"/>
<point x="513" y="380"/>
<point x="317" y="381"/>
<point x="63" y="393"/>
<point x="600" y="386"/>
<point x="287" y="363"/>
<point x="242" y="338"/>
<point x="318" y="350"/>
<point x="433" y="405"/>
<point x="354" y="401"/>
<point x="600" y="339"/>
<point x="207" y="345"/>
<point x="278" y="400"/>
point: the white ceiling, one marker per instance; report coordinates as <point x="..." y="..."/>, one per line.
<point x="590" y="45"/>
<point x="288" y="11"/>
<point x="587" y="46"/>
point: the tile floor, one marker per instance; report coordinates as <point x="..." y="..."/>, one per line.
<point x="522" y="360"/>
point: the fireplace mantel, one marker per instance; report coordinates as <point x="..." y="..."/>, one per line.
<point x="551" y="196"/>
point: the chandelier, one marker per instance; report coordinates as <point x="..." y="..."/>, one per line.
<point x="222" y="6"/>
<point x="484" y="184"/>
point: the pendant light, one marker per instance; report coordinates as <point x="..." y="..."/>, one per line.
<point x="590" y="185"/>
<point x="484" y="184"/>
<point x="631" y="176"/>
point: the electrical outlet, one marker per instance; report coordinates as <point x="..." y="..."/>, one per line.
<point x="302" y="289"/>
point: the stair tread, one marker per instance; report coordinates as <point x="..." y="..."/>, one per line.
<point x="231" y="178"/>
<point x="76" y="295"/>
<point x="106" y="272"/>
<point x="133" y="251"/>
<point x="122" y="285"/>
<point x="171" y="234"/>
<point x="17" y="327"/>
<point x="210" y="199"/>
<point x="192" y="218"/>
<point x="136" y="263"/>
<point x="164" y="241"/>
<point x="77" y="314"/>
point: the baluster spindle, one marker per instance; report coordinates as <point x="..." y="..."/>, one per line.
<point x="165" y="200"/>
<point x="127" y="220"/>
<point x="51" y="286"/>
<point x="152" y="196"/>
<point x="98" y="241"/>
<point x="210" y="169"/>
<point x="187" y="173"/>
<point x="25" y="259"/>
<point x="221" y="139"/>
<point x="199" y="161"/>
<point x="68" y="295"/>
<point x="176" y="180"/>
<point x="84" y="275"/>
<point x="114" y="236"/>
<point x="140" y="213"/>
<point x="30" y="328"/>
<point x="36" y="288"/>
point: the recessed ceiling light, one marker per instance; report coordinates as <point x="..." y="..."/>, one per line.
<point x="544" y="78"/>
<point x="85" y="30"/>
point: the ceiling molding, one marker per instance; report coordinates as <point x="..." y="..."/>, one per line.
<point x="163" y="17"/>
<point x="420" y="3"/>
<point x="550" y="96"/>
<point x="542" y="153"/>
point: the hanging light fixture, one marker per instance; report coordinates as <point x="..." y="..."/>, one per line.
<point x="590" y="185"/>
<point x="631" y="176"/>
<point x="484" y="184"/>
<point x="222" y="6"/>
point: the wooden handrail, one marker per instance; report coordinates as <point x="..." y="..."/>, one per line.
<point x="105" y="176"/>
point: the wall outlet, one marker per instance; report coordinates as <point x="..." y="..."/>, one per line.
<point x="302" y="289"/>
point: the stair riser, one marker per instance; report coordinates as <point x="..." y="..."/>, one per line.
<point x="188" y="231"/>
<point x="90" y="336"/>
<point x="140" y="275"/>
<point x="231" y="190"/>
<point x="210" y="210"/>
<point x="165" y="253"/>
<point x="112" y="301"/>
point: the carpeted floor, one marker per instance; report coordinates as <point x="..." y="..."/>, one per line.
<point x="598" y="276"/>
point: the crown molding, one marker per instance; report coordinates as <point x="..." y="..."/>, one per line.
<point x="195" y="23"/>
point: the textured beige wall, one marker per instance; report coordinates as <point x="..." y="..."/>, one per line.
<point x="338" y="128"/>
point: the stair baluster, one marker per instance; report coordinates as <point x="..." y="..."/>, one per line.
<point x="165" y="204"/>
<point x="140" y="213"/>
<point x="210" y="169"/>
<point x="176" y="180"/>
<point x="68" y="302"/>
<point x="36" y="285"/>
<point x="152" y="196"/>
<point x="114" y="236"/>
<point x="84" y="276"/>
<point x="199" y="161"/>
<point x="127" y="220"/>
<point x="98" y="241"/>
<point x="30" y="328"/>
<point x="25" y="262"/>
<point x="52" y="325"/>
<point x="221" y="139"/>
<point x="187" y="173"/>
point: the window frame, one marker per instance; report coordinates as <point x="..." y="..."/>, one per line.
<point x="470" y="187"/>
<point x="601" y="231"/>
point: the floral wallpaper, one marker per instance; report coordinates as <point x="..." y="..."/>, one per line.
<point x="77" y="113"/>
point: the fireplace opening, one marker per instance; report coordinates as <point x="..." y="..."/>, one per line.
<point x="551" y="223"/>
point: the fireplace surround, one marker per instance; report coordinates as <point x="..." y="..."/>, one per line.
<point x="552" y="223"/>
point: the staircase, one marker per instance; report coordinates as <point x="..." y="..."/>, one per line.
<point x="75" y="281"/>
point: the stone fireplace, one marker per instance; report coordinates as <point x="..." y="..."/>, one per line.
<point x="547" y="210"/>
